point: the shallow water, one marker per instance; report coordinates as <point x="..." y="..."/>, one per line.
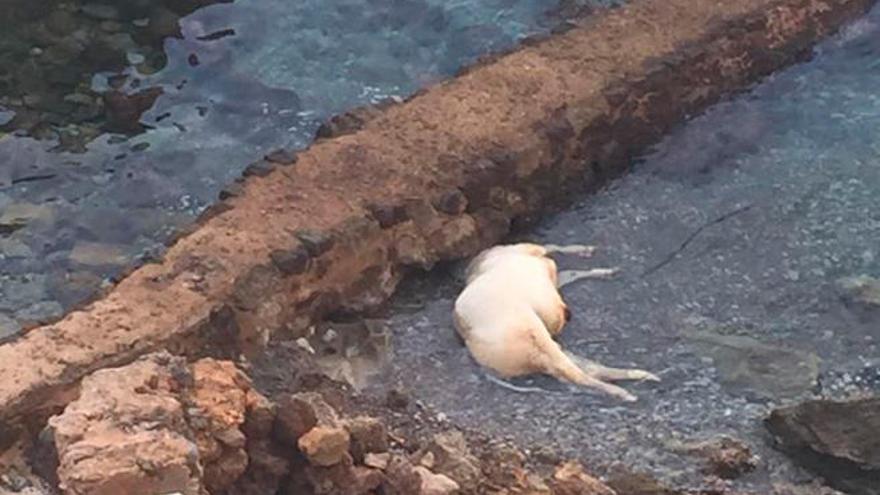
<point x="733" y="236"/>
<point x="84" y="191"/>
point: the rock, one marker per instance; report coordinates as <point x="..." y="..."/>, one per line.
<point x="10" y="248"/>
<point x="836" y="439"/>
<point x="343" y="478"/>
<point x="401" y="477"/>
<point x="159" y="426"/>
<point x="218" y="409"/>
<point x="16" y="215"/>
<point x="725" y="457"/>
<point x="325" y="445"/>
<point x="862" y="290"/>
<point x="570" y="479"/>
<point x="299" y="413"/>
<point x="368" y="435"/>
<point x="127" y="433"/>
<point x="436" y="484"/>
<point x="377" y="461"/>
<point x="453" y="458"/>
<point x="766" y="370"/>
<point x="86" y="253"/>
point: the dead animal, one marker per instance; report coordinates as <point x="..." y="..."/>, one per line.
<point x="510" y="311"/>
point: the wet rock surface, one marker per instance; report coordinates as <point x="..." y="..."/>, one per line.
<point x="837" y="439"/>
<point x="731" y="236"/>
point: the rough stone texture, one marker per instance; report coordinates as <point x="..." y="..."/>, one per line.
<point x="837" y="439"/>
<point x="436" y="484"/>
<point x="570" y="479"/>
<point x="160" y="426"/>
<point x="451" y="456"/>
<point x="127" y="433"/>
<point x="509" y="134"/>
<point x="325" y="445"/>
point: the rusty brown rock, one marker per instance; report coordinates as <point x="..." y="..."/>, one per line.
<point x="325" y="445"/>
<point x="127" y="433"/>
<point x="218" y="406"/>
<point x="590" y="98"/>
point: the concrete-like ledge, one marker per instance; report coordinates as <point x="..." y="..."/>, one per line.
<point x="437" y="177"/>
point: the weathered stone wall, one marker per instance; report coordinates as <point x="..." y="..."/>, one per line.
<point x="437" y="177"/>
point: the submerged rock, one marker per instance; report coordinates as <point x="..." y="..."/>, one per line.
<point x="862" y="290"/>
<point x="766" y="370"/>
<point x="840" y="440"/>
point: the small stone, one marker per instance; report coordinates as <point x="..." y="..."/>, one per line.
<point x="10" y="248"/>
<point x="98" y="254"/>
<point x="387" y="215"/>
<point x="861" y="289"/>
<point x="299" y="413"/>
<point x="291" y="261"/>
<point x="436" y="484"/>
<point x="282" y="157"/>
<point x="368" y="435"/>
<point x="325" y="445"/>
<point x="377" y="461"/>
<point x="454" y="459"/>
<point x="233" y="190"/>
<point x="316" y="243"/>
<point x="260" y="169"/>
<point x="452" y="203"/>
<point x="401" y="478"/>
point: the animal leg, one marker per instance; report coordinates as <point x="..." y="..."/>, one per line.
<point x="559" y="365"/>
<point x="566" y="277"/>
<point x="576" y="249"/>
<point x="600" y="372"/>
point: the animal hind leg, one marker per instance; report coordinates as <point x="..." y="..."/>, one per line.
<point x="600" y="372"/>
<point x="583" y="250"/>
<point x="566" y="277"/>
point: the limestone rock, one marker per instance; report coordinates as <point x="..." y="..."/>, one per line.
<point x="367" y="435"/>
<point x="127" y="433"/>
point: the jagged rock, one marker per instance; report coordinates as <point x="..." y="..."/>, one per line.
<point x="160" y="426"/>
<point x="377" y="461"/>
<point x="453" y="458"/>
<point x="725" y="457"/>
<point x="325" y="445"/>
<point x="127" y="432"/>
<point x="436" y="484"/>
<point x="401" y="477"/>
<point x="836" y="439"/>
<point x="299" y="413"/>
<point x="570" y="479"/>
<point x="219" y="401"/>
<point x="367" y="435"/>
